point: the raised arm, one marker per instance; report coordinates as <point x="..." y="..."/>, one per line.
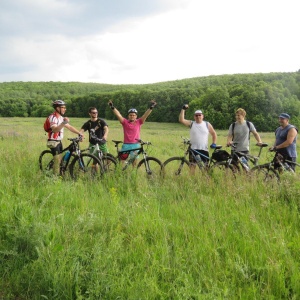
<point x="116" y="112"/>
<point x="148" y="111"/>
<point x="182" y="120"/>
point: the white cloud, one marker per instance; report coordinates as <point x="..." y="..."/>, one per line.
<point x="194" y="38"/>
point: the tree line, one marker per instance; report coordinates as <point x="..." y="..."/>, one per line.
<point x="263" y="96"/>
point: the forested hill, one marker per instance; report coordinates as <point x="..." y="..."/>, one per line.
<point x="263" y="96"/>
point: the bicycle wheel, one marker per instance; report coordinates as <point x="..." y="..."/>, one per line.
<point x="223" y="169"/>
<point x="110" y="155"/>
<point x="84" y="167"/>
<point x="152" y="169"/>
<point x="265" y="173"/>
<point x="176" y="166"/>
<point x="46" y="161"/>
<point x="109" y="165"/>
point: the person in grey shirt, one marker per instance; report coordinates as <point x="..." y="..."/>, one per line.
<point x="239" y="132"/>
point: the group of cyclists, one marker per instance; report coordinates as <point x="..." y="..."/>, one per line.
<point x="238" y="133"/>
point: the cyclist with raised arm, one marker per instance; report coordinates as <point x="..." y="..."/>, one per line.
<point x="285" y="139"/>
<point x="56" y="133"/>
<point x="239" y="133"/>
<point x="131" y="127"/>
<point x="199" y="133"/>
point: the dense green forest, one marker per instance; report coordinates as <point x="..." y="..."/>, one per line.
<point x="263" y="96"/>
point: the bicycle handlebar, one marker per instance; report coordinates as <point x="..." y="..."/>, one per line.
<point x="76" y="139"/>
<point x="262" y="145"/>
<point x="142" y="142"/>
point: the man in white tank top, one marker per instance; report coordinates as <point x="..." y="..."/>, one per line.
<point x="199" y="132"/>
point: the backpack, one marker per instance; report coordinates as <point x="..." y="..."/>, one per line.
<point x="220" y="155"/>
<point x="98" y="122"/>
<point x="233" y="125"/>
<point x="47" y="127"/>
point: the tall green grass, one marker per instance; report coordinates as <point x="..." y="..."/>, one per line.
<point x="130" y="238"/>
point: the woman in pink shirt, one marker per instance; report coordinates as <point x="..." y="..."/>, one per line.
<point x="131" y="127"/>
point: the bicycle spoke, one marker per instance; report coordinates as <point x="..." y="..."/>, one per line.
<point x="85" y="167"/>
<point x="109" y="165"/>
<point x="151" y="168"/>
<point x="265" y="174"/>
<point x="46" y="162"/>
<point x="176" y="166"/>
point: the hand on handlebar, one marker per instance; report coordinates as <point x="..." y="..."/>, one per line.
<point x="80" y="137"/>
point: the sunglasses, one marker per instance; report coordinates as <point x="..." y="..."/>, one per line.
<point x="94" y="112"/>
<point x="198" y="115"/>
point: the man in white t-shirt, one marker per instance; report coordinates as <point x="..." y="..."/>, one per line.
<point x="199" y="133"/>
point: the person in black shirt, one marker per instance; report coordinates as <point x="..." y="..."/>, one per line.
<point x="98" y="130"/>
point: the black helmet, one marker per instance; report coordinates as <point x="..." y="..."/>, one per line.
<point x="58" y="103"/>
<point x="132" y="110"/>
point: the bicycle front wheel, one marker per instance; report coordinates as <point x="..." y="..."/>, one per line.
<point x="265" y="173"/>
<point x="85" y="167"/>
<point x="109" y="165"/>
<point x="150" y="166"/>
<point x="46" y="161"/>
<point x="176" y="166"/>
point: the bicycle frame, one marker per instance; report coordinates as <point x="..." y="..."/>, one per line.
<point x="200" y="163"/>
<point x="73" y="148"/>
<point x="238" y="157"/>
<point x="131" y="158"/>
<point x="282" y="163"/>
<point x="75" y="152"/>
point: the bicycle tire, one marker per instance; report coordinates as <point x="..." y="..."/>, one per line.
<point x="109" y="165"/>
<point x="176" y="166"/>
<point x="83" y="167"/>
<point x="155" y="167"/>
<point x="110" y="155"/>
<point x="46" y="161"/>
<point x="265" y="173"/>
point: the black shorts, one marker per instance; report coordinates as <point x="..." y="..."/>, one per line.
<point x="57" y="150"/>
<point x="204" y="152"/>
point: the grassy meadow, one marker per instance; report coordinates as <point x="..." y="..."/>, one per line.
<point x="129" y="238"/>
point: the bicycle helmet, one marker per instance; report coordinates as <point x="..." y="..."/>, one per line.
<point x="132" y="110"/>
<point x="58" y="103"/>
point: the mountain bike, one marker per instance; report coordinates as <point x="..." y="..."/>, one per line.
<point x="180" y="165"/>
<point x="238" y="161"/>
<point x="80" y="165"/>
<point x="108" y="163"/>
<point x="150" y="165"/>
<point x="271" y="171"/>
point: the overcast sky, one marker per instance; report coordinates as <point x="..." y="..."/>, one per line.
<point x="145" y="41"/>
